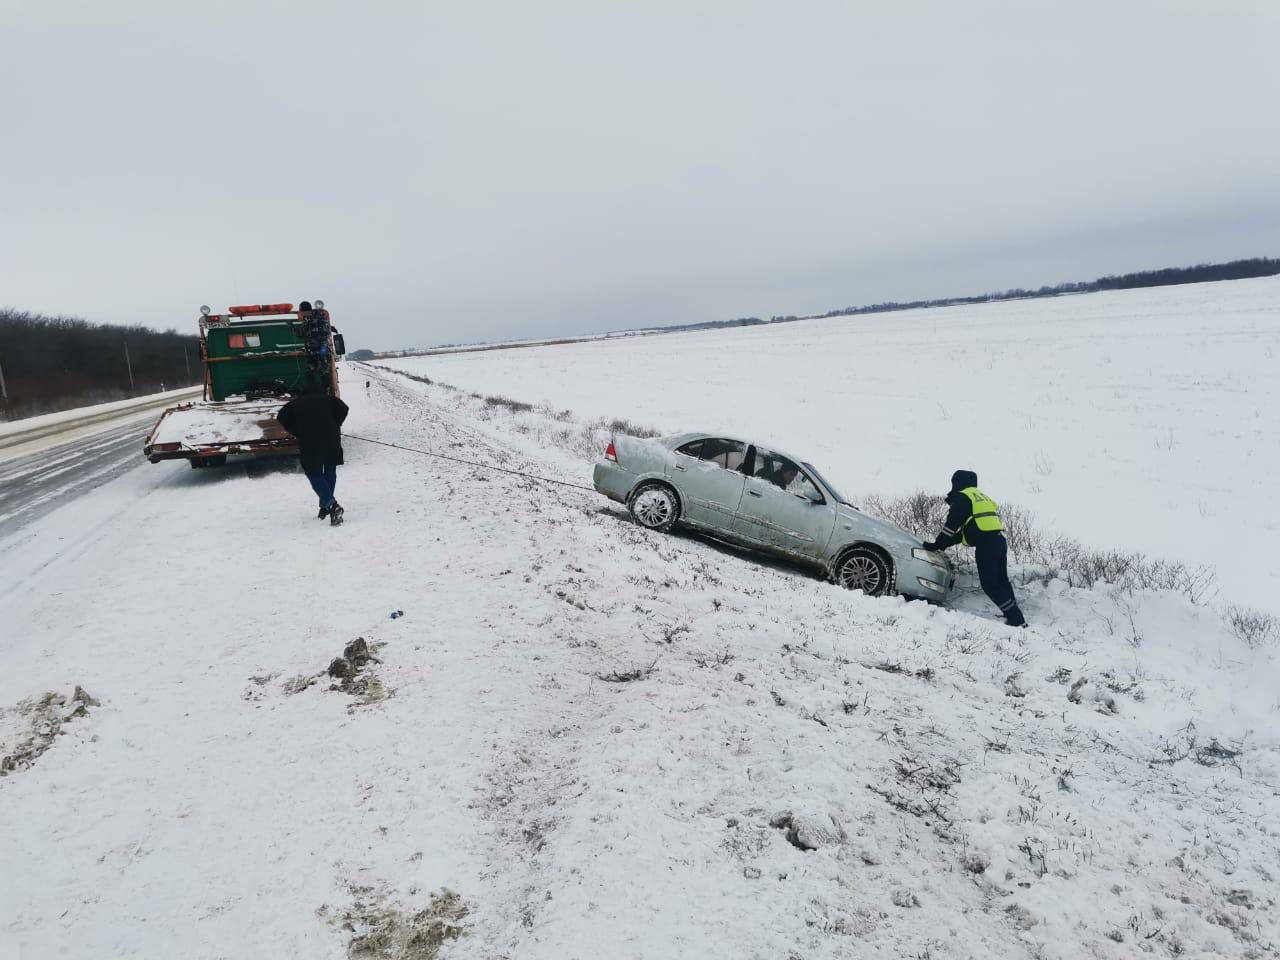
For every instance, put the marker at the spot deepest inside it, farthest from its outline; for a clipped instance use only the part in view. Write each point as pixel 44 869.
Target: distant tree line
pixel 1235 270
pixel 55 363
pixel 717 324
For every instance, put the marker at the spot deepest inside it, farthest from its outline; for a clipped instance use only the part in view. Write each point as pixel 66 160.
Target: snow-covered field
pixel 795 771
pixel 1144 420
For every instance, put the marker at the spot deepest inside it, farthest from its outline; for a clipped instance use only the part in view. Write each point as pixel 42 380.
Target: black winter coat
pixel 315 419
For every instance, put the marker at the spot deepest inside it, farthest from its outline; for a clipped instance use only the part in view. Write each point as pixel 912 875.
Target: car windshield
pixel 839 497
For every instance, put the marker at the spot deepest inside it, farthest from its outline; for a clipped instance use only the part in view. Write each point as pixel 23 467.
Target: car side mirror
pixel 339 345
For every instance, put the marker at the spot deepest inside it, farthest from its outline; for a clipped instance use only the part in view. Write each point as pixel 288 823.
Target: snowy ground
pixel 1141 419
pixel 1101 785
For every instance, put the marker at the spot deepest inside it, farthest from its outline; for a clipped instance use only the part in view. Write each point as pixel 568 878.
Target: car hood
pixel 882 531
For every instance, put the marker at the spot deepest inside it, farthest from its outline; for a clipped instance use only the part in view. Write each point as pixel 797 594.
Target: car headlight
pixel 931 557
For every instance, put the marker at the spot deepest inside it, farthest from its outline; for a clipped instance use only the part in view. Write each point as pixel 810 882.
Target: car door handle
pixel 681 469
pixel 753 493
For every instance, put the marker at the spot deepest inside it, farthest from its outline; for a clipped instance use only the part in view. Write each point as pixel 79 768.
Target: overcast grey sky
pixel 475 170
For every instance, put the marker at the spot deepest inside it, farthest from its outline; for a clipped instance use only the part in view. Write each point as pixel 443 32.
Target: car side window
pixel 693 449
pixel 723 453
pixel 785 474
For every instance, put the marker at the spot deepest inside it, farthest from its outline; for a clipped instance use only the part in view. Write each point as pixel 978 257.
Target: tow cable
pixel 470 463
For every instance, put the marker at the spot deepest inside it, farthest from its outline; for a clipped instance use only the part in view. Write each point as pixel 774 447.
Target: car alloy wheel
pixel 863 570
pixel 654 507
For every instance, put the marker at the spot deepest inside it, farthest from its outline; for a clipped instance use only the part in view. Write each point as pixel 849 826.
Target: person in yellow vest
pixel 974 520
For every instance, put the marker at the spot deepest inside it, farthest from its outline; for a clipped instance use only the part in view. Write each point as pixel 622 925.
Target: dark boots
pixel 1014 618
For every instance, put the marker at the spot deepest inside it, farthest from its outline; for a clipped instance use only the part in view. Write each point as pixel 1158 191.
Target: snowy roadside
pixel 957 788
pixel 1144 677
pixel 1141 420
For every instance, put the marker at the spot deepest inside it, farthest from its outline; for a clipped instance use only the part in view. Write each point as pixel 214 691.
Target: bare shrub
pixel 515 406
pixel 628 676
pixel 403 373
pixel 631 428
pixel 1253 627
pixel 1020 529
pixel 591 438
pixel 920 512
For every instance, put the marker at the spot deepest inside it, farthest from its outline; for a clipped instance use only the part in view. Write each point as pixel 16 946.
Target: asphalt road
pixel 33 485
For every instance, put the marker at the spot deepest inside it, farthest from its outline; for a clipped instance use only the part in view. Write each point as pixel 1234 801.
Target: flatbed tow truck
pixel 256 358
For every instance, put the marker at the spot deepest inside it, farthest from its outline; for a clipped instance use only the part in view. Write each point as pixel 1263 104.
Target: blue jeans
pixel 323 482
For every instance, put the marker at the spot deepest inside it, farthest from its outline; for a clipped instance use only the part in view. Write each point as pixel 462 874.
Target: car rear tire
pixel 655 507
pixel 862 569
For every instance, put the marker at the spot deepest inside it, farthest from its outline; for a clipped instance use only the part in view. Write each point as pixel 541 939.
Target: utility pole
pixel 4 391
pixel 128 365
pixel 186 355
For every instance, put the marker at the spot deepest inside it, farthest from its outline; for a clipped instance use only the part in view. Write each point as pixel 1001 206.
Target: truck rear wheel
pixel 217 460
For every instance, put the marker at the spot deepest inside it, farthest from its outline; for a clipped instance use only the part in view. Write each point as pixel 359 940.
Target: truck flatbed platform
pixel 209 430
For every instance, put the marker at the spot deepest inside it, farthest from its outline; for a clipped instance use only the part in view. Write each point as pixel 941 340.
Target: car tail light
pixel 610 453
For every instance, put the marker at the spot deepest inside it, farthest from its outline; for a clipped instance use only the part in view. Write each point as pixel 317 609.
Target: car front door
pixel 782 508
pixel 708 476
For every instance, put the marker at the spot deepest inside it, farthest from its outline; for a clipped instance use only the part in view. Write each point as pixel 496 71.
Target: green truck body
pixel 255 359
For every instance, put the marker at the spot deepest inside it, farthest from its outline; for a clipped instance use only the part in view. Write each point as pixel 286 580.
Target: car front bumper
pixel 916 578
pixel 611 480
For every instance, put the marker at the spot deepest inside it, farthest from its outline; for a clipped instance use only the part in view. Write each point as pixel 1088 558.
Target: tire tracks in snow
pixel 532 770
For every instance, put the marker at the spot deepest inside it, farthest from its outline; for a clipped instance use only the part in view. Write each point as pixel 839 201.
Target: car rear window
pixel 725 453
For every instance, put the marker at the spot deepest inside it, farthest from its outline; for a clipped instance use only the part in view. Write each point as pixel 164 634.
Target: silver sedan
pixel 760 498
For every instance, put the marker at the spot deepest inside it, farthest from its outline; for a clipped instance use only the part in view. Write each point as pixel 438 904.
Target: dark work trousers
pixel 323 482
pixel 992 555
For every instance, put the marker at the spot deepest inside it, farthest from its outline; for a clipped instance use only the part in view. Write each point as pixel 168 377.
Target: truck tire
pixel 217 460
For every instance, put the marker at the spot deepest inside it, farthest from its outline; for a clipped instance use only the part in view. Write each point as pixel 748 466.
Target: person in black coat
pixel 315 420
pixel 973 519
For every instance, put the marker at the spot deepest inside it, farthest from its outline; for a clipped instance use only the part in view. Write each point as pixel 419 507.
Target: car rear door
pixel 707 474
pixel 782 508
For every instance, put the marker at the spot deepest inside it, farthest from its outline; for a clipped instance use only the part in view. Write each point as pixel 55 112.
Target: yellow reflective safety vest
pixel 985 516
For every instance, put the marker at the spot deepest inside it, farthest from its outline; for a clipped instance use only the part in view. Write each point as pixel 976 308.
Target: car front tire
pixel 862 569
pixel 655 507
